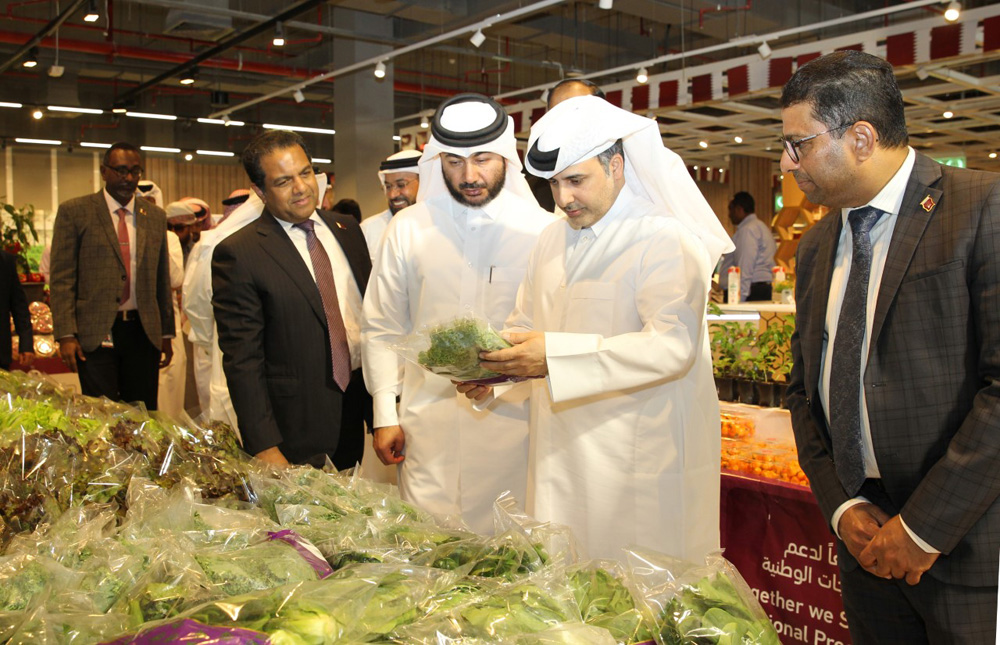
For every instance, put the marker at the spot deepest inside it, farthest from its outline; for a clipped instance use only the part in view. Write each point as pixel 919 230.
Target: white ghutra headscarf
pixel 585 126
pixel 464 125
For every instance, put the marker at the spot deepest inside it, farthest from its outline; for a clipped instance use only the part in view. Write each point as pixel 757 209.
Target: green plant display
pixel 17 224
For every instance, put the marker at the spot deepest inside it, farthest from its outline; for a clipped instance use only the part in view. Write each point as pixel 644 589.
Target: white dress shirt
pixel 889 199
pixel 348 293
pixel 113 207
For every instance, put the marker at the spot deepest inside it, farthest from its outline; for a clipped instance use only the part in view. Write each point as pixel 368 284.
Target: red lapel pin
pixel 928 203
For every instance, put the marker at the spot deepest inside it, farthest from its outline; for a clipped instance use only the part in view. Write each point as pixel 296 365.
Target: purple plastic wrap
pixel 191 632
pixel 308 552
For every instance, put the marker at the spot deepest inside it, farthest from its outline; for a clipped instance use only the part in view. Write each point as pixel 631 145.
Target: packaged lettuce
pixel 452 350
pixel 709 603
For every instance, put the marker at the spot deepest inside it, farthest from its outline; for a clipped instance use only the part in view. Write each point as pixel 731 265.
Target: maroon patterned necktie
pixel 126 250
pixel 340 353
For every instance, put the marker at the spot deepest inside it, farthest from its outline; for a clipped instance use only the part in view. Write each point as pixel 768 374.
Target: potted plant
pixel 776 355
pixel 731 343
pixel 784 292
pixel 16 226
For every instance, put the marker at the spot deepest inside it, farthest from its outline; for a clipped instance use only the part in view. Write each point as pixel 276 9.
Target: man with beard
pixel 400 177
pixel 112 308
pixel 460 251
pixel 625 425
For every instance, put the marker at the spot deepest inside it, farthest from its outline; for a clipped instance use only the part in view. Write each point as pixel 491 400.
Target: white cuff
pixel 837 514
pixel 384 404
pixel 927 548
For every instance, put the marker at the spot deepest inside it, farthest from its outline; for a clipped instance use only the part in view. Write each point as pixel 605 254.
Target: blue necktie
pixel 845 371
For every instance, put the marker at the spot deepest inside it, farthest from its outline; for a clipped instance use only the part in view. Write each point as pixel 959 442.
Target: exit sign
pixel 957 162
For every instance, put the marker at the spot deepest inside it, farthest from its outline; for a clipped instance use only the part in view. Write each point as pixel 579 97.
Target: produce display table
pixel 776 536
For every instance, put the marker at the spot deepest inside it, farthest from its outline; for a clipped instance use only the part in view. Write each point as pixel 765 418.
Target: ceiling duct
pixel 191 23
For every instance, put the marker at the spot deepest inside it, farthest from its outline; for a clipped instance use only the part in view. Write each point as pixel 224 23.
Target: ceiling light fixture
pixel 396 137
pixel 32 58
pixel 223 121
pixel 703 144
pixel 948 114
pixel 642 75
pixel 322 160
pixel 423 122
pixel 605 4
pixel 298 96
pixel 764 50
pixel 738 139
pixel 215 153
pixel 76 110
pixel 297 128
pixel 953 11
pixel 43 142
pixel 190 76
pixel 380 69
pixel 91 144
pixel 188 156
pixel 10 105
pixel 993 155
pixel 37 114
pixel 477 38
pixel 158 149
pixel 150 115
pixel 279 35
pixel 92 14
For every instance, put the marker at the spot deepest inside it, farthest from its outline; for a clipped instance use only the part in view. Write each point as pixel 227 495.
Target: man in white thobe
pixel 625 426
pixel 461 250
pixel 400 178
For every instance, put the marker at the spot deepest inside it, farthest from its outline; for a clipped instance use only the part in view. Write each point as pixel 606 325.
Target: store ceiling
pixel 149 38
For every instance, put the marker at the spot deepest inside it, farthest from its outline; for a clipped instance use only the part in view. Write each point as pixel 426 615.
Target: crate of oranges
pixel 737 426
pixel 769 459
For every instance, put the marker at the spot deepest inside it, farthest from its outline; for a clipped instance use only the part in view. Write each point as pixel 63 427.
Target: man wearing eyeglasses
pixel 895 385
pixel 110 287
pixel 399 176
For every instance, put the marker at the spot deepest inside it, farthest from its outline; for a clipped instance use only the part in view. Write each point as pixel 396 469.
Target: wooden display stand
pixel 796 210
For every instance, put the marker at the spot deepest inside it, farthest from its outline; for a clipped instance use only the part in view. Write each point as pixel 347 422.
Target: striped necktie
pixel 340 353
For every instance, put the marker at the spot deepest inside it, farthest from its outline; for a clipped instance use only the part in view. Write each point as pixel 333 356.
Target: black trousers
pixel 887 612
pixel 128 372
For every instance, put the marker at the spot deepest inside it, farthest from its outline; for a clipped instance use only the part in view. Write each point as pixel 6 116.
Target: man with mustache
pixel 461 250
pixel 399 176
pixel 112 308
pixel 286 293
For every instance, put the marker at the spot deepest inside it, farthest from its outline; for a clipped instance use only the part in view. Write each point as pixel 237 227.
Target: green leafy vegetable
pixel 455 347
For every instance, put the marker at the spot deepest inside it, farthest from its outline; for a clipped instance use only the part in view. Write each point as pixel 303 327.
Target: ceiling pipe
pixel 145 36
pixel 45 31
pixel 228 43
pixel 370 62
pixel 111 50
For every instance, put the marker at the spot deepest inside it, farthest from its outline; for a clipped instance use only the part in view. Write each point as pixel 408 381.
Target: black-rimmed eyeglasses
pixel 124 171
pixel 792 145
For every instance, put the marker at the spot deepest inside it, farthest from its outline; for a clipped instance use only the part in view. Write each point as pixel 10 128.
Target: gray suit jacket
pixel 931 380
pixel 88 271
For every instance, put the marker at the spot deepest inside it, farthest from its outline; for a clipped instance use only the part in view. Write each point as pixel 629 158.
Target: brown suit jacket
pixel 932 379
pixel 88 271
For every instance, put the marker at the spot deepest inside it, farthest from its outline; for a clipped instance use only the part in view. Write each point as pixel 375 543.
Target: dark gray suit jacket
pixel 274 340
pixel 88 272
pixel 931 379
